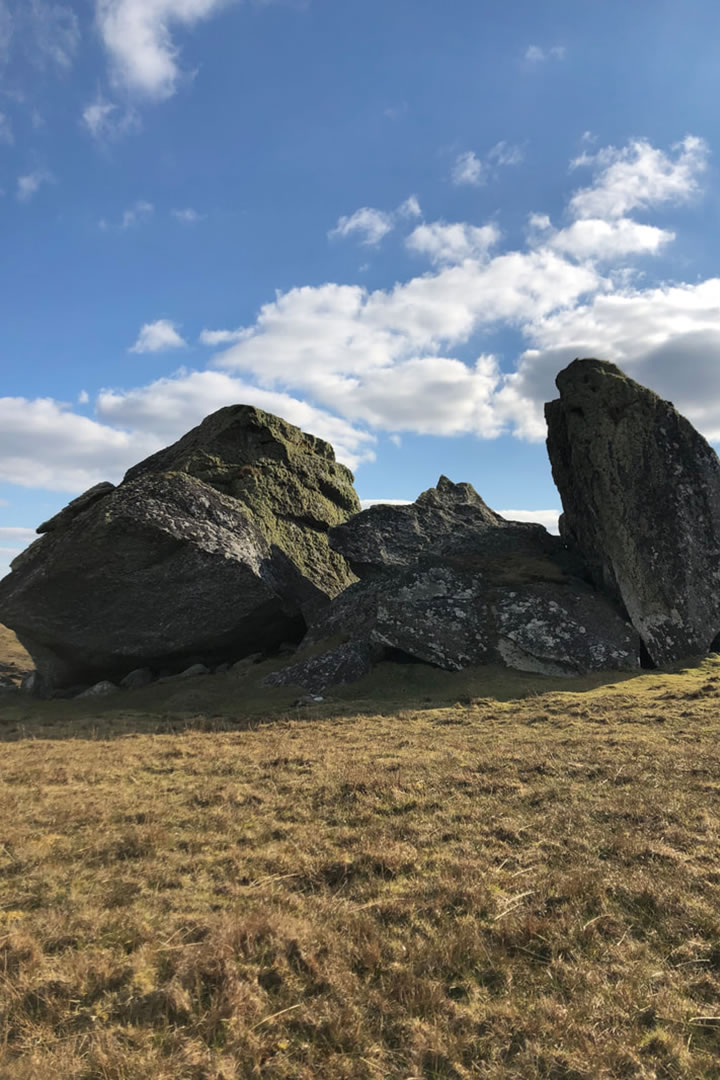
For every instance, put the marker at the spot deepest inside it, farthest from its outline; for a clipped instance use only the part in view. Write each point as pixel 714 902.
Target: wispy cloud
pixel 536 54
pixel 372 225
pixel 30 184
pixel 105 120
pixel 56 32
pixel 369 224
pixel 158 337
pixel 6 132
pixel 474 171
pixel 188 216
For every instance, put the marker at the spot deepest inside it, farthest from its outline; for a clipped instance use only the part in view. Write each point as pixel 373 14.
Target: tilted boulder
pixel 212 549
pixel 448 582
pixel 640 488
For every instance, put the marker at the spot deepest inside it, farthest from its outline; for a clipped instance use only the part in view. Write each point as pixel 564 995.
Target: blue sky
pixel 391 222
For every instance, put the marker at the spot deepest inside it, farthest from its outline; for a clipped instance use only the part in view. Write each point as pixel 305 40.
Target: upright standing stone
pixel 640 488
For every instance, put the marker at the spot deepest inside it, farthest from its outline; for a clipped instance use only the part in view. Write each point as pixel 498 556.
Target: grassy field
pixel 430 876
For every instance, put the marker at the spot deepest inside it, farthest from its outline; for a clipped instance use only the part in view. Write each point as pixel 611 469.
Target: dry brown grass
pixel 504 889
pixel 14 661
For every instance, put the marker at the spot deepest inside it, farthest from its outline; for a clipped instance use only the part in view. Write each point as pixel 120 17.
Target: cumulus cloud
pixel 380 357
pixel 158 336
pixel 348 362
pixel 43 444
pixel 168 407
pixel 453 243
pixel 593 238
pixel 638 176
pixel 213 338
pixel 137 35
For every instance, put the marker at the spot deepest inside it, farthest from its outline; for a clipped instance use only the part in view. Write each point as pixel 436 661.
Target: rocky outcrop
pixel 214 548
pixel 448 582
pixel 640 489
pixel 290 482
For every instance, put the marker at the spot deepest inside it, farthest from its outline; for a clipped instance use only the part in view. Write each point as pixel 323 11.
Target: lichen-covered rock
pixel 640 489
pixel 461 586
pixel 76 507
pixel 449 522
pixel 343 664
pixel 212 549
pixel 289 480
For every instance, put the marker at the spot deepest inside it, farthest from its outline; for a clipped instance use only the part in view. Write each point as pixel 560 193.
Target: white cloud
pixel 137 214
pixel 380 357
pixel 188 216
pixel 45 445
pixel 668 337
pixel 592 238
pixel 453 243
pixel 30 184
pixel 221 337
pixel 56 32
pixel 538 55
pixel 137 36
pixel 83 397
pixel 347 362
pixel 469 169
pixel 105 120
pixel 410 208
pixel 7 27
pixel 6 132
pixel 371 225
pixel 158 337
pixel 547 518
pixel 96 117
pixel 169 407
pixel 638 176
pixel 17 536
pixel 503 153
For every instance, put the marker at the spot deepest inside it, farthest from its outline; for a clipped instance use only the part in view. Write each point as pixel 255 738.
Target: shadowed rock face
pixel 641 495
pixel 449 522
pixel 209 550
pixel 448 582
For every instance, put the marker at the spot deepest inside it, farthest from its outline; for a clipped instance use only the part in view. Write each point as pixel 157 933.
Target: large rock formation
pixel 641 493
pixel 449 582
pixel 211 549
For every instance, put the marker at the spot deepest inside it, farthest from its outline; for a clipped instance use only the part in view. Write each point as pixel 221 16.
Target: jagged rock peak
pixel 444 522
pixel 640 489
